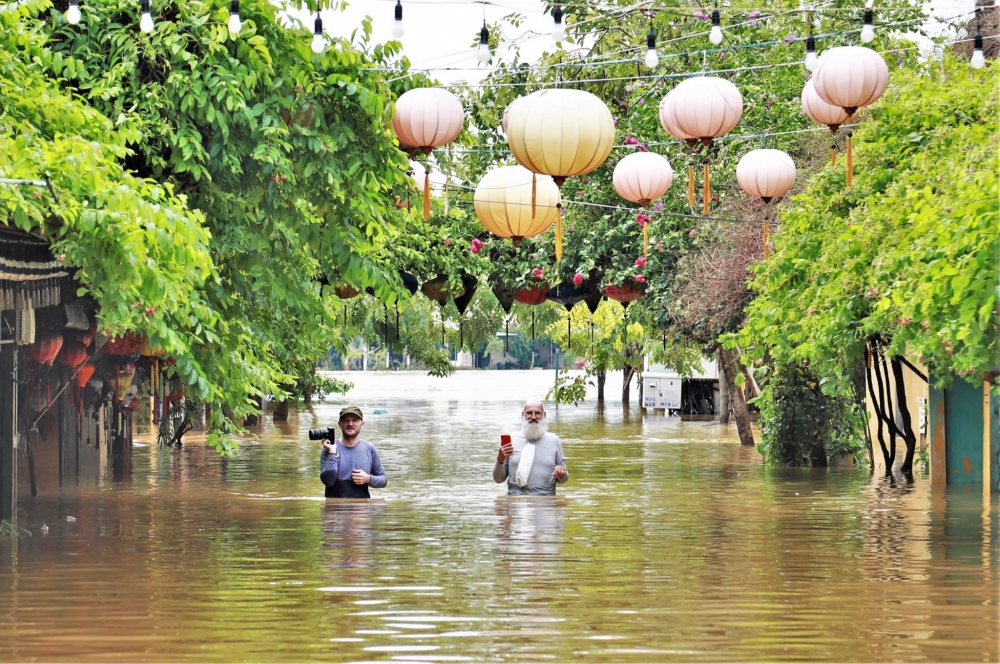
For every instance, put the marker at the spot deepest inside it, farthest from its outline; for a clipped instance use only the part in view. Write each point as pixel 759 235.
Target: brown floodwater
pixel 669 543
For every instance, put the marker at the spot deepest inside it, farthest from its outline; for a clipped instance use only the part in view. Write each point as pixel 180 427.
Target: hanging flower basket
pixel 437 290
pixel 567 295
pixel 505 295
pixel 625 293
pixel 346 291
pixel 147 351
pixel 410 282
pixel 127 344
pixel 532 295
pixel 469 284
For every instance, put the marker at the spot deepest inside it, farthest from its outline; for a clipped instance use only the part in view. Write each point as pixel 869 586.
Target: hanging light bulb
pixel 146 20
pixel 397 26
pixel 234 17
pixel 73 13
pixel 483 54
pixel 811 58
pixel 318 42
pixel 652 59
pixel 558 29
pixel 715 35
pixel 868 32
pixel 978 60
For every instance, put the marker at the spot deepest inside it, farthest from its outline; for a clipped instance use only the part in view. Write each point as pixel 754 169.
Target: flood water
pixel 670 542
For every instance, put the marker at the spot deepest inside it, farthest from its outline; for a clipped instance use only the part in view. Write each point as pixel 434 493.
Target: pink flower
pixel 631 141
pixel 577 279
pixel 640 261
pixel 475 248
pixel 639 279
pixel 537 272
pixel 447 243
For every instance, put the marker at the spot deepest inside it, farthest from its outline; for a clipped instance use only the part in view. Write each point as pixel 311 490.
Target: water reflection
pixel 670 543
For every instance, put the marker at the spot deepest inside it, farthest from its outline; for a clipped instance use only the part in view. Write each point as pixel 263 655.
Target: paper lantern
pixel 532 295
pixel 703 108
pixel 641 177
pixel 505 119
pixel 562 133
pixel 84 374
pixel 72 354
pixel 765 174
pixel 46 347
pixel 427 118
pixel 821 112
pixel 850 77
pixel 503 202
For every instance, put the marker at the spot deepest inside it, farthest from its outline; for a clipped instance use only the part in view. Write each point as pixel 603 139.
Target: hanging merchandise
pixel 72 354
pixel 766 174
pixel 427 118
pixel 702 108
pixel 850 77
pixel 84 374
pixel 823 113
pixel 561 133
pixel 642 177
pixel 46 347
pixel 625 294
pixel 513 202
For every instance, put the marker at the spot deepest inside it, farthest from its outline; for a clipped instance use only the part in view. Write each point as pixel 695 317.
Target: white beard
pixel 534 430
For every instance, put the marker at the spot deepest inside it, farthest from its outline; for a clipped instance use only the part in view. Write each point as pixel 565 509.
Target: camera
pixel 320 434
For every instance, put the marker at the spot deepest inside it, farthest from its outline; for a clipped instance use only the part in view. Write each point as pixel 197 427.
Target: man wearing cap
pixel 349 465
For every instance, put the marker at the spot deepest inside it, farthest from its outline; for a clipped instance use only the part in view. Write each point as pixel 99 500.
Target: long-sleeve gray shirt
pixel 548 455
pixel 335 469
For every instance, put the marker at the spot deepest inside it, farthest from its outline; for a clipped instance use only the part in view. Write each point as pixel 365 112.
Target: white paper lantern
pixel 851 77
pixel 704 107
pixel 503 202
pixel 427 118
pixel 765 174
pixel 642 177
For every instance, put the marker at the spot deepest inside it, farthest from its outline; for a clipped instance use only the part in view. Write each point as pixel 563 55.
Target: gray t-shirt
pixel 548 455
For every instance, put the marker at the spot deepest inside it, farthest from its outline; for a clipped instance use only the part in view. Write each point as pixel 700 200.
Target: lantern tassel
pixel 690 186
pixel 645 239
pixel 850 162
pixel 427 194
pixel 767 234
pixel 534 193
pixel 833 156
pixel 558 231
pixel 706 192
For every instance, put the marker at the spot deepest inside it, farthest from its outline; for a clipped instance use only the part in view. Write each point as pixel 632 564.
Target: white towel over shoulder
pixel 524 465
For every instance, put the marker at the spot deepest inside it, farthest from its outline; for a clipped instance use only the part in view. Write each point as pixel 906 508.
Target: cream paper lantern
pixel 850 77
pixel 702 108
pixel 641 177
pixel 504 121
pixel 562 133
pixel 427 118
pixel 503 202
pixel 766 174
pixel 821 112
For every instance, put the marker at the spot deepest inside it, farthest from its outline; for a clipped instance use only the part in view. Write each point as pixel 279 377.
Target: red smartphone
pixel 504 439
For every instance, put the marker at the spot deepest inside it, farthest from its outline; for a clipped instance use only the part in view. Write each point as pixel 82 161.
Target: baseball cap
pixel 351 410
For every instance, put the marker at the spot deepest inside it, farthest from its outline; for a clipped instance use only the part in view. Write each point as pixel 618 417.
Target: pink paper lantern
pixel 642 177
pixel 427 118
pixel 851 77
pixel 821 112
pixel 765 174
pixel 669 122
pixel 704 107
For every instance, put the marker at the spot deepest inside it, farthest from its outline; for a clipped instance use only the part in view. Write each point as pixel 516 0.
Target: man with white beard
pixel 533 462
